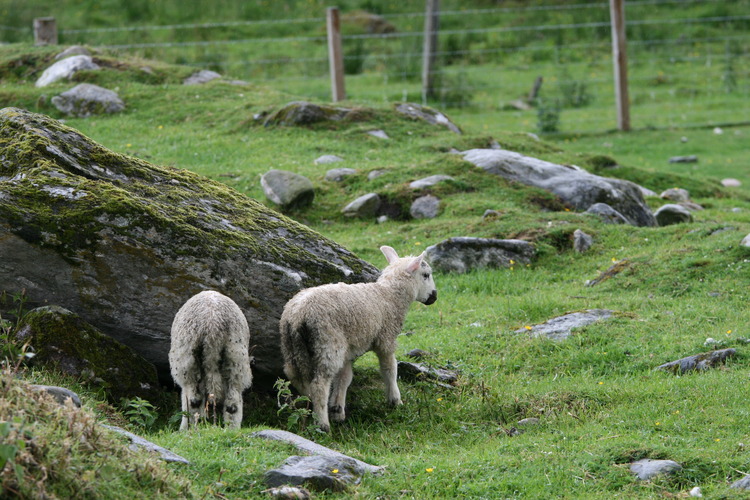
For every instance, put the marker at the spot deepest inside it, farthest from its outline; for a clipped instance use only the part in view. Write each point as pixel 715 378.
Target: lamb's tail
pixel 298 361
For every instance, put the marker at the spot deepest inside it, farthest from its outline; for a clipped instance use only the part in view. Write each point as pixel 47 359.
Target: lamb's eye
pixel 426 275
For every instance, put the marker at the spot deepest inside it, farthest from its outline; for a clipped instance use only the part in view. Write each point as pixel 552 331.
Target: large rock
pixel 124 243
pixel 672 213
pixel 572 184
pixel 64 342
pixel 65 68
pixel 86 99
pixel 463 254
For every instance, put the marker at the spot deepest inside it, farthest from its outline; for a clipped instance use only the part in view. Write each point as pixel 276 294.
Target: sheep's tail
pixel 212 364
pixel 299 360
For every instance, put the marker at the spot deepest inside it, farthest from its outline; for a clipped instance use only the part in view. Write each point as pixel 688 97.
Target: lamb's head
pixel 418 270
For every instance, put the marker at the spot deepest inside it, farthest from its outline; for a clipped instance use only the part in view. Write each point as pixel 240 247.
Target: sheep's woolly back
pixel 210 340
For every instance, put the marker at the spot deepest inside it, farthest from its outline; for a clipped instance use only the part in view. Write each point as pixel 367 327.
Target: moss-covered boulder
pixel 124 243
pixel 62 341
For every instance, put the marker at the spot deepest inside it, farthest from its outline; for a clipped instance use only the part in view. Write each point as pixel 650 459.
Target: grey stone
pixel 463 254
pixel 729 182
pixel 201 77
pixel 61 394
pixel 311 447
pixel 528 422
pixel 490 213
pixel 65 343
pixel 138 442
pixel 365 206
pixel 607 214
pixel 675 194
pixel 380 134
pixel 86 99
pixel 317 472
pixel 646 192
pixel 326 159
pixel 683 159
pixel 672 214
pixel 339 174
pixel 289 493
pixel 647 468
pixel 73 50
pixel 742 484
pixel 561 327
pixel 429 181
pixel 418 354
pixel 126 263
pixel 298 113
pixel 287 189
pixel 427 114
pixel 572 184
pixel 745 241
pixel 374 174
pixel 418 371
pixel 691 205
pixel 65 69
pixel 581 241
pixel 425 207
pixel 698 362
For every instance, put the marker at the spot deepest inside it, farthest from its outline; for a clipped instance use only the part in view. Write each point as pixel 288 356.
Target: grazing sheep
pixel 209 357
pixel 325 328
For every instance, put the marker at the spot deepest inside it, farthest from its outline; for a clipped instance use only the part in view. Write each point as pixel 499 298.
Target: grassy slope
pixel 600 402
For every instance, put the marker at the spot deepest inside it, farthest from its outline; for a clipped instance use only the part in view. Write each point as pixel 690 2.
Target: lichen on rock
pixel 124 243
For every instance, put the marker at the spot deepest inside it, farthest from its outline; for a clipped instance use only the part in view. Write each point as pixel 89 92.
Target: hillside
pixel 599 400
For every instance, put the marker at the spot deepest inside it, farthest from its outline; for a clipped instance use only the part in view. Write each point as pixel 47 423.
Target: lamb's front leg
pixel 388 370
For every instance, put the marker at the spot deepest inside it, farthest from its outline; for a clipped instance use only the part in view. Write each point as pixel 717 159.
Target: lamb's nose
pixel 432 298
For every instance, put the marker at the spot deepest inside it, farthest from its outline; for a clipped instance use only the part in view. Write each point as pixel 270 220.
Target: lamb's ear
pixel 415 263
pixel 390 254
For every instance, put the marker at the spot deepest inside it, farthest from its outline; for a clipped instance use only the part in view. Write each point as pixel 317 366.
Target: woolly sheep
pixel 209 357
pixel 325 328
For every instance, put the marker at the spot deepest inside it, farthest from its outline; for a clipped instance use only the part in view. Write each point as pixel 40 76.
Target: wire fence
pixel 688 60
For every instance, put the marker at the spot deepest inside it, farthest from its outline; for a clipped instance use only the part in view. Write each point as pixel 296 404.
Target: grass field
pixel 600 402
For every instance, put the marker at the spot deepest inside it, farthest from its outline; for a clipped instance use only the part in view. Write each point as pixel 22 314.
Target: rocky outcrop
pixel 462 254
pixel 124 243
pixel 65 69
pixel 575 186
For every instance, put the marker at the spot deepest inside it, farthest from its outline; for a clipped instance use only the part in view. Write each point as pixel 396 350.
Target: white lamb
pixel 325 328
pixel 209 357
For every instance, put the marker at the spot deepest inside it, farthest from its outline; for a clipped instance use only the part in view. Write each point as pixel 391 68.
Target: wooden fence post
pixel 431 21
pixel 45 31
pixel 335 56
pixel 620 63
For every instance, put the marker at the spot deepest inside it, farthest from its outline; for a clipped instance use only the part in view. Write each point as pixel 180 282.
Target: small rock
pixel 490 213
pixel 73 50
pixel 61 394
pixel 317 472
pixel 676 195
pixel 718 131
pixel 745 241
pixel 427 114
pixel 289 493
pixel 325 159
pixel 200 77
pixel 561 327
pixel 730 182
pixel 287 189
pixel 646 192
pixel 425 207
pixel 698 362
pixel 66 68
pixel 418 354
pixel 528 422
pixel 512 432
pixel 365 206
pixel 607 214
pixel 696 492
pixel 646 468
pixel 684 159
pixel 683 139
pixel 339 174
pixel 672 214
pixel 691 205
pixel 379 134
pixel 429 181
pixel 417 371
pixel 742 484
pixel 581 241
pixel 381 219
pixel 374 174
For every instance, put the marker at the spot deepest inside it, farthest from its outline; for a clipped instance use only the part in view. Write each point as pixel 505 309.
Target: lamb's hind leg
pixel 192 405
pixel 337 402
pixel 388 370
pixel 320 388
pixel 233 407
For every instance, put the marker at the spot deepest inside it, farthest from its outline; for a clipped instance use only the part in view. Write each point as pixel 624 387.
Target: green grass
pixel 600 401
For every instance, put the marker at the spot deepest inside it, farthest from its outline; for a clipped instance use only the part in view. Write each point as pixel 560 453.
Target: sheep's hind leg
pixel 388 370
pixel 192 405
pixel 233 408
pixel 337 402
pixel 320 388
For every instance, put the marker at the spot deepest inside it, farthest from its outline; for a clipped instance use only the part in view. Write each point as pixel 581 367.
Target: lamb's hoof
pixel 324 428
pixel 336 413
pixel 395 402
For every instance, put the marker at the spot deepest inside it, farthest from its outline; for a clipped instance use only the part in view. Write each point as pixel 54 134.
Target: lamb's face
pixel 426 293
